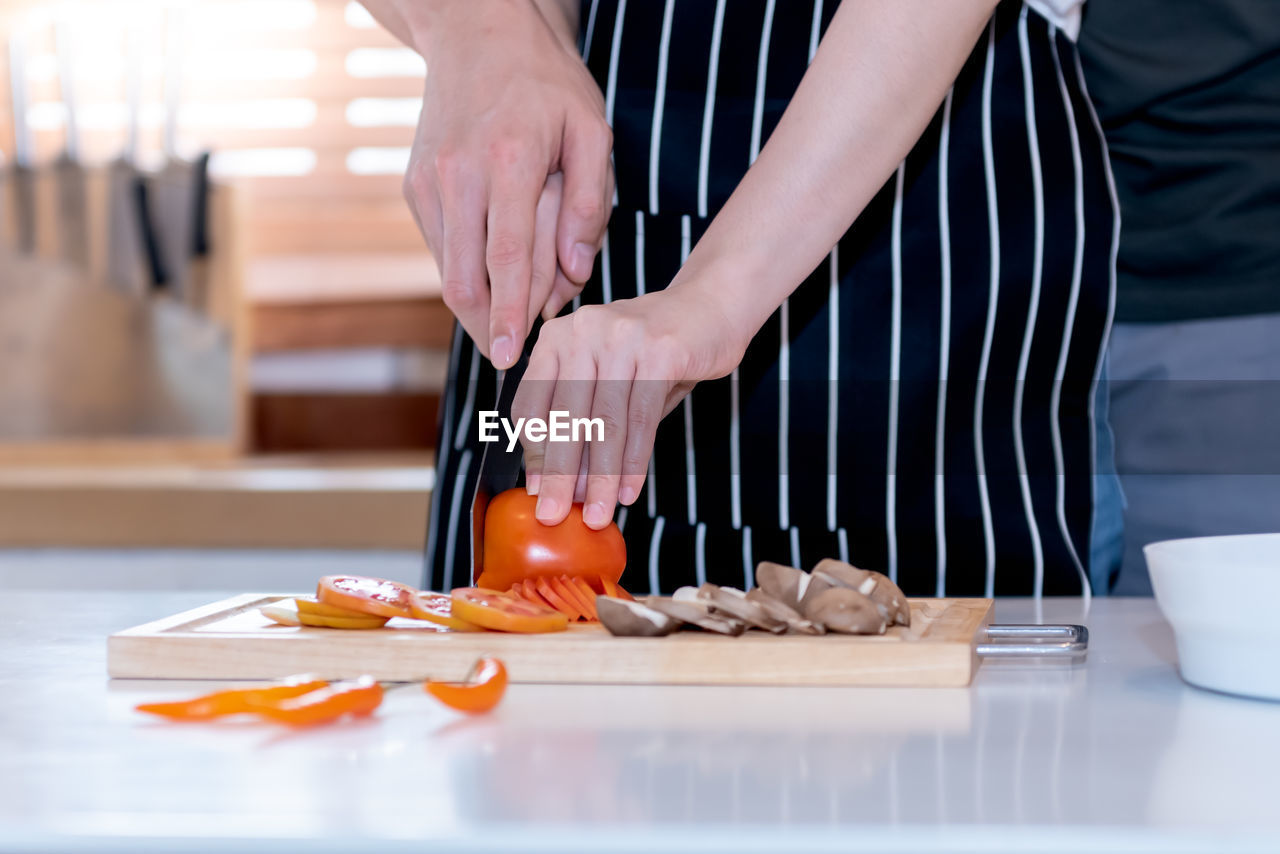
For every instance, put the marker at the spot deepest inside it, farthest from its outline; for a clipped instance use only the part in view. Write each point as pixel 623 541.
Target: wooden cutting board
pixel 232 640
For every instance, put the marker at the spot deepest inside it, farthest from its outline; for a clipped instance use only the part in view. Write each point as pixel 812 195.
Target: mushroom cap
pixel 624 618
pixel 695 612
pixel 842 609
pixel 783 583
pixel 888 597
pixel 795 623
pixel 734 603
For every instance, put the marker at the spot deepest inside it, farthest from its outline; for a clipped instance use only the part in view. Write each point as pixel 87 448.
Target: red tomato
pixel 517 546
pixel 505 612
pixel 367 595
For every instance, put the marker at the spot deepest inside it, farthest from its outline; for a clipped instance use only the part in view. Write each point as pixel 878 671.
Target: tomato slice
pixel 374 596
pixel 579 600
pixel 611 588
pixel 569 595
pixel 504 612
pixel 438 608
pixel 307 605
pixel 287 613
pixel 585 594
pixel 529 590
pixel 548 591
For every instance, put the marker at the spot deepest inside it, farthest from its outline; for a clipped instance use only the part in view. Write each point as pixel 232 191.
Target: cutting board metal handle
pixel 1028 641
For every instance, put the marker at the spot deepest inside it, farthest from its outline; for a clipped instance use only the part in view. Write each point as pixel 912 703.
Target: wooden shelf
pixel 365 502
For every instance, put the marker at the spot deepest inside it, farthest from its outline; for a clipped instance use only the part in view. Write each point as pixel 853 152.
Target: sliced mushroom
pixel 628 619
pixel 888 597
pixel 795 623
pixel 817 585
pixel 842 609
pixel 734 603
pixel 696 613
pixel 784 583
pixel 685 594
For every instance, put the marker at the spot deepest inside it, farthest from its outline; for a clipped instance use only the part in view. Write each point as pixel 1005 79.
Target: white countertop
pixel 1115 754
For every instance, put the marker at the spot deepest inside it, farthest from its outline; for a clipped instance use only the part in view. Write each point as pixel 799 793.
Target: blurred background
pixel 218 324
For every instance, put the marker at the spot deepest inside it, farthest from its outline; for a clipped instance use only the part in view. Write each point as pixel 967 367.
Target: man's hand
pixel 509 177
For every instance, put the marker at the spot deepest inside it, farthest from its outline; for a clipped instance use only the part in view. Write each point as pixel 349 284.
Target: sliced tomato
pixel 517 546
pixel 548 591
pixel 374 596
pixel 570 594
pixel 438 608
pixel 307 605
pixel 286 613
pixel 611 588
pixel 580 601
pixel 585 594
pixel 529 590
pixel 504 612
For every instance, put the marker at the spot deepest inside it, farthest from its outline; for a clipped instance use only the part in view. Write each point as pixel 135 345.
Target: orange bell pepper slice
pixel 232 702
pixel 359 697
pixel 480 693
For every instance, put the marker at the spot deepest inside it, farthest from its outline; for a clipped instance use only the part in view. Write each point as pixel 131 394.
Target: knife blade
pixel 500 469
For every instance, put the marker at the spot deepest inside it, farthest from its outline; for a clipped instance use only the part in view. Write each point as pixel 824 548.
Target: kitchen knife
pixel 21 173
pixel 178 190
pixel 133 263
pixel 69 173
pixel 500 469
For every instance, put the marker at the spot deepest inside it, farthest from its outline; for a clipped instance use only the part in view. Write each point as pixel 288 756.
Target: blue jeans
pixel 1106 546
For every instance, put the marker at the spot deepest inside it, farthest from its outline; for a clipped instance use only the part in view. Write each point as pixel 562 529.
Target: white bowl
pixel 1221 594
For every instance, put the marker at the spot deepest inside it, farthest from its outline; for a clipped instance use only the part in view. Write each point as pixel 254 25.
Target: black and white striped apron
pixel 922 404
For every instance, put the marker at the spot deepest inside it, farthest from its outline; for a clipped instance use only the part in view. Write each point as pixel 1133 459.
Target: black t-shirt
pixel 1189 96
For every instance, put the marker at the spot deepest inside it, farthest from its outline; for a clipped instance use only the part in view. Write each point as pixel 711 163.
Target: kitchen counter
pixel 1114 754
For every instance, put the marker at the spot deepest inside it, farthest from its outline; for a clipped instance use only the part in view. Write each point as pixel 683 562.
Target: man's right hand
pixel 510 176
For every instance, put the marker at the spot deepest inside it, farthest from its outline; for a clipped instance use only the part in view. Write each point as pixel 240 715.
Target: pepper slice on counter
pixel 359 697
pixel 233 702
pixel 483 690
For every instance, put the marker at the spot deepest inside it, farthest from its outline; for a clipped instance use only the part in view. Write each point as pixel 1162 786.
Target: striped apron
pixel 923 403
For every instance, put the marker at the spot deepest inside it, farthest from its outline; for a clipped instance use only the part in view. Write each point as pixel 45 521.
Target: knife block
pixel 97 374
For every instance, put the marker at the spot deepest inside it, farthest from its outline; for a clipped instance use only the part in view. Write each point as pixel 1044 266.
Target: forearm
pixel 414 22
pixel 882 69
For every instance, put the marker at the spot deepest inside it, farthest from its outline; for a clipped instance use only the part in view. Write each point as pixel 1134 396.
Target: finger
pixel 513 197
pixel 644 411
pixel 588 195
pixel 533 400
pixel 610 405
pixel 463 277
pixel 546 268
pixel 563 292
pixel 575 386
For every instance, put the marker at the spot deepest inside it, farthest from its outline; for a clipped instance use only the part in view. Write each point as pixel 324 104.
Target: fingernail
pixel 547 510
pixel 503 352
pixel 595 515
pixel 531 483
pixel 584 258
pixel 626 495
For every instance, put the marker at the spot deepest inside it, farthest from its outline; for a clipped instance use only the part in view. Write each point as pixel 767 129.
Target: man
pixel 1189 96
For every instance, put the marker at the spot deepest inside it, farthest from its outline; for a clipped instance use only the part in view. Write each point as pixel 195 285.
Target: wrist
pixel 724 287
